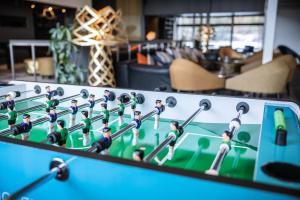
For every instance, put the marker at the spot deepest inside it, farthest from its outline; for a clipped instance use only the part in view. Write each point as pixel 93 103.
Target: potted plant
pixel 62 48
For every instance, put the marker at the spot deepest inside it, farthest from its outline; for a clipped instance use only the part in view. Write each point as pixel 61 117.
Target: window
pixel 185 32
pixel 230 29
pixel 221 37
pixel 220 20
pixel 251 35
pixel 185 20
pixel 249 19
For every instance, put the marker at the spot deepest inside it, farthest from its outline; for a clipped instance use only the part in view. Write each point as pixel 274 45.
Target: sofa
pixel 130 74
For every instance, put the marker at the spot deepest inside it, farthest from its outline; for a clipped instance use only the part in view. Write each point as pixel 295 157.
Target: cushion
pixel 170 52
pixel 141 59
pixel 176 52
pixel 150 60
pixel 162 58
pixel 158 60
pixel 198 53
pixel 183 53
pixel 166 58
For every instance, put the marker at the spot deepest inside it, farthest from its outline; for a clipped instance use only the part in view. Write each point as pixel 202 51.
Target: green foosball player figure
pixel 175 132
pixel 12 116
pixel 59 137
pixel 50 103
pixel 86 121
pixel 105 114
pixel 121 109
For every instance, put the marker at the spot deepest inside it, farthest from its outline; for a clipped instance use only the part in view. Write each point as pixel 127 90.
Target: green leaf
pixel 62 47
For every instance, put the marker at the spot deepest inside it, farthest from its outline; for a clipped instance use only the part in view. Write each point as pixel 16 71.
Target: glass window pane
pixel 249 19
pixel 187 15
pixel 220 14
pixel 220 20
pixel 221 36
pixel 185 20
pixel 204 20
pixel 185 33
pixel 188 44
pixel 197 20
pixel 247 35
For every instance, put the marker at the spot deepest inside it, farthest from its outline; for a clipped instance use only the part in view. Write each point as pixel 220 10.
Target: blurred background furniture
pixel 29 66
pixel 149 77
pixel 188 76
pixel 229 52
pixel 255 60
pixel 270 78
pixel 46 66
pixel 130 74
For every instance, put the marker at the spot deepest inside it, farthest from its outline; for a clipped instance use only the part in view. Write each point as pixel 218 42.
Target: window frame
pixel 205 15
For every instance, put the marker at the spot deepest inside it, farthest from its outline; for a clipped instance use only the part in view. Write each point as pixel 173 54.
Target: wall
pixel 16 10
pixel 288 25
pixel 133 18
pixel 26 31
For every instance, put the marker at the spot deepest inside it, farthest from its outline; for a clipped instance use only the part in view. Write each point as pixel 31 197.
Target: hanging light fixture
pixel 207 31
pixel 48 13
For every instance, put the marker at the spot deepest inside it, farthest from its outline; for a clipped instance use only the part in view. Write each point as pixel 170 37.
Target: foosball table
pixel 79 142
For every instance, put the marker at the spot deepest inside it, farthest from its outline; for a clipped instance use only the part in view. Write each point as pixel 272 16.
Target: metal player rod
pixel 125 129
pixel 170 102
pixel 45 119
pixel 234 125
pixel 204 105
pixel 30 98
pixel 93 119
pixel 3 96
pixel 37 90
pixel 43 105
pixel 130 126
pixel 58 169
pixel 4 117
